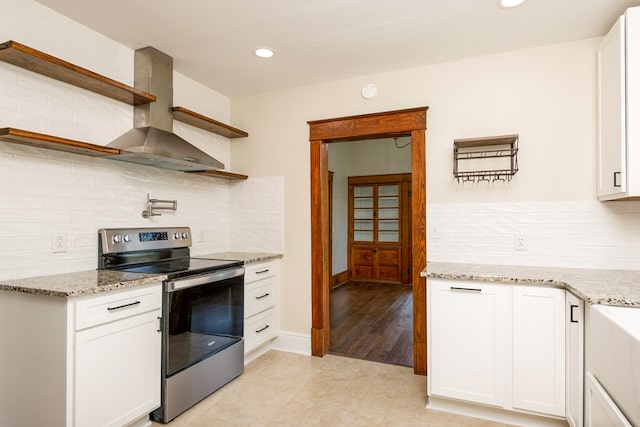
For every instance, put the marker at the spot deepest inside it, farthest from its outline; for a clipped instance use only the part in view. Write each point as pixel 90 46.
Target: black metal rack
pixel 493 147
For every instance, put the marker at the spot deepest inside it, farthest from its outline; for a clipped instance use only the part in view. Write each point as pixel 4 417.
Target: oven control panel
pixel 117 240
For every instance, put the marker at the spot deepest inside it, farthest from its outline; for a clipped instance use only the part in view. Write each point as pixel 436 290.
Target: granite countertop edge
pixel 79 284
pixel 69 285
pixel 247 257
pixel 606 287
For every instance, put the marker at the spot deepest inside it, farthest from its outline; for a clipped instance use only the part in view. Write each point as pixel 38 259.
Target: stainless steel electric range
pixel 202 310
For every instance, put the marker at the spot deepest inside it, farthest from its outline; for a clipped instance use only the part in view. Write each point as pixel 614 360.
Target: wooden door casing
pixel 410 122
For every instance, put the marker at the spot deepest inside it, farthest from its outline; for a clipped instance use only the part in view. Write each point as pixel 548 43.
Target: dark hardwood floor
pixel 373 321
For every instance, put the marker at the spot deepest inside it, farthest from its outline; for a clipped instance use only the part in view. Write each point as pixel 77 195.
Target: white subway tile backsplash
pixel 8 102
pixel 45 191
pixel 587 234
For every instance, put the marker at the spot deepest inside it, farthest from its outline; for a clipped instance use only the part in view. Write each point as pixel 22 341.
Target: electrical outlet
pixel 58 242
pixel 434 231
pixel 519 242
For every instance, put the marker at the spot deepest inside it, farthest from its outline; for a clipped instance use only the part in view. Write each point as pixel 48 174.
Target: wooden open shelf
pixel 222 174
pixel 203 122
pixel 492 147
pixel 45 64
pixel 34 139
pixel 19 136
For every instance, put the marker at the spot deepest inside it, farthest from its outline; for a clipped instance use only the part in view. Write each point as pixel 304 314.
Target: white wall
pixel 44 191
pixel 545 94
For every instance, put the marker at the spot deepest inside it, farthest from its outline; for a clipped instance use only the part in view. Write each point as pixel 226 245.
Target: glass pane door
pixel 388 213
pixel 363 213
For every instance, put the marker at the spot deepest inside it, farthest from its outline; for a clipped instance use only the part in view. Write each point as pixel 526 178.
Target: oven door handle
pixel 176 285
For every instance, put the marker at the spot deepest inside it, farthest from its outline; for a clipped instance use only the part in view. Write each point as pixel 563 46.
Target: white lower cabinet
pixel 468 331
pixel 497 345
pixel 90 361
pixel 539 350
pixel 118 362
pixel 260 304
pixel 575 360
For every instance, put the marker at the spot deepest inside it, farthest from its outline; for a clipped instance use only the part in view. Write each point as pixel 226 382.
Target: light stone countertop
pixel 247 257
pixel 96 281
pixel 608 287
pixel 80 283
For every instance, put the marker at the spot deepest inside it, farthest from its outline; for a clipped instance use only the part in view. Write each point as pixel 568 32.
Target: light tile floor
pixel 285 389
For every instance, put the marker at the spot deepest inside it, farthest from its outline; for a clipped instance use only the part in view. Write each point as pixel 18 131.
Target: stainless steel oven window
pixel 203 316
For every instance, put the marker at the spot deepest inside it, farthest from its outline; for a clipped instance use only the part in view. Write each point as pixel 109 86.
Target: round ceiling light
pixel 263 52
pixel 507 4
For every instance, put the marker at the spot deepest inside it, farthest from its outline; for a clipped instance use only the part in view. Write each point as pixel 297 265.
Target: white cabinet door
pixel 538 350
pixel 117 371
pixel 468 327
pixel 575 359
pixel 600 409
pixel 612 173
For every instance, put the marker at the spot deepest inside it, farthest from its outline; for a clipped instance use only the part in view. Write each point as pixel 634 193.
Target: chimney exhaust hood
pixel 152 142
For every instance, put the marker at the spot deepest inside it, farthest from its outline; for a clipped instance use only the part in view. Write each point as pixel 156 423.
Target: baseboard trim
pixel 492 414
pixel 339 279
pixel 293 342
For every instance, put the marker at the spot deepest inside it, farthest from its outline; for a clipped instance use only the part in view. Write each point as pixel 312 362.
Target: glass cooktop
pixel 183 266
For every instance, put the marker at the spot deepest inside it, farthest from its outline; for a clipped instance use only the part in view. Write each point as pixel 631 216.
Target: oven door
pixel 203 315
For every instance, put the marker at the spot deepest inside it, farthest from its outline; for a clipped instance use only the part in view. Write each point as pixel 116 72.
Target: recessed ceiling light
pixel 263 52
pixel 506 4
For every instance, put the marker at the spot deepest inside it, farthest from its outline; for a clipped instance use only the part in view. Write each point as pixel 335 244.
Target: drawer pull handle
pixel 123 306
pixel 263 296
pixel 262 271
pixel 262 329
pixel 571 311
pixel 455 288
pixel 616 175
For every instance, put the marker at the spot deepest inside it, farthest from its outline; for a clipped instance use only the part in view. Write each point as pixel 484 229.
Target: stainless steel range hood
pixel 152 141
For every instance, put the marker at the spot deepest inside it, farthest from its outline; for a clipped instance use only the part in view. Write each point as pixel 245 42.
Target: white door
pixel 612 173
pixel 117 377
pixel 575 359
pixel 468 327
pixel 538 349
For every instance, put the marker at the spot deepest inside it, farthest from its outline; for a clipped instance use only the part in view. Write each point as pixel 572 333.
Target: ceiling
pixel 212 41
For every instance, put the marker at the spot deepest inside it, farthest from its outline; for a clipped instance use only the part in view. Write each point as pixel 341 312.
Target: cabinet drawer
pixel 362 256
pixel 111 306
pixel 259 271
pixel 260 329
pixel 390 273
pixel 362 272
pixel 259 296
pixel 388 257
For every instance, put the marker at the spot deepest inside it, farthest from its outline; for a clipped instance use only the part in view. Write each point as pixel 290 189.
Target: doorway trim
pixel 410 122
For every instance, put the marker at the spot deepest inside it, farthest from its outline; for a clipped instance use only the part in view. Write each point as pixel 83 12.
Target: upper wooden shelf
pixel 222 174
pixel 40 62
pixel 206 123
pixel 485 141
pixel 34 139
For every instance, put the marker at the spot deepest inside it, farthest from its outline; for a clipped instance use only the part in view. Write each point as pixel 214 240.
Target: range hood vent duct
pixel 152 142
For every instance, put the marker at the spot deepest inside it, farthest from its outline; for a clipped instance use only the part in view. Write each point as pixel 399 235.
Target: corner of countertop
pixel 595 286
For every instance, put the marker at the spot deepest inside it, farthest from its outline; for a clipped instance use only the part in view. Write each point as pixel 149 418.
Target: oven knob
pixel 176 236
pixel 127 238
pixel 185 235
pixel 117 238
